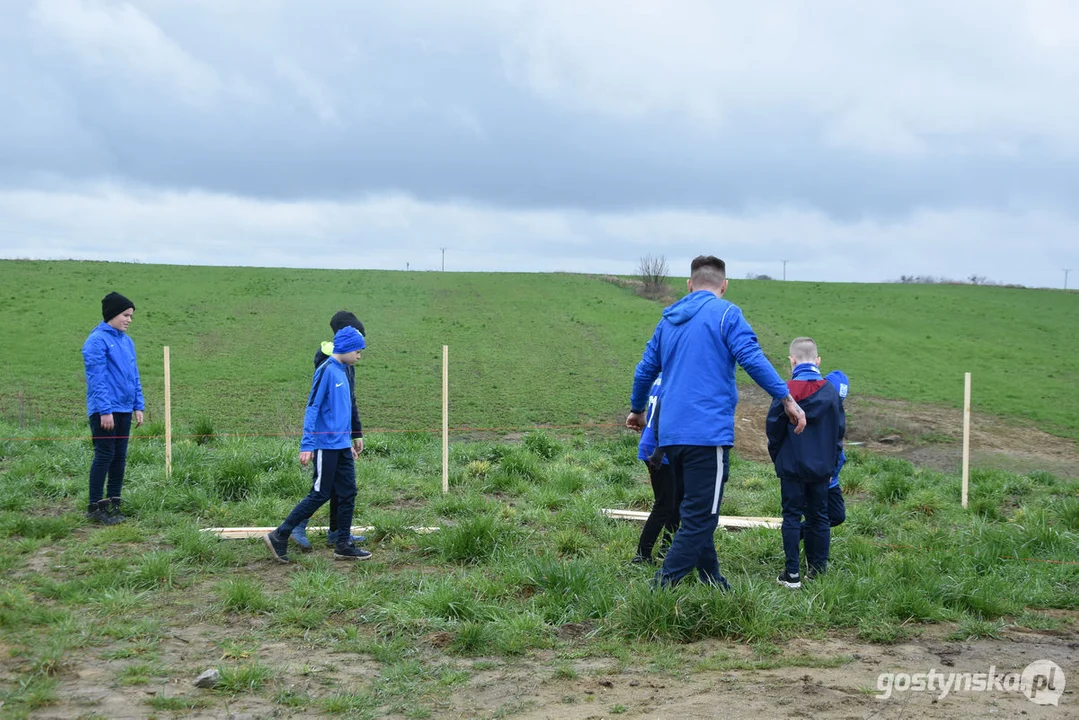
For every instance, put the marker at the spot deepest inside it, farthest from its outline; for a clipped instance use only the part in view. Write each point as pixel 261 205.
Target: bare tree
pixel 653 272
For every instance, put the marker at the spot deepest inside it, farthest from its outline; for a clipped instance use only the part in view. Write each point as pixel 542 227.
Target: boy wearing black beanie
pixel 113 396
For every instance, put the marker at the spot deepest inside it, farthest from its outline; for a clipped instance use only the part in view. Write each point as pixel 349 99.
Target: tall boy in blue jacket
pixel 806 463
pixel 327 439
pixel 696 345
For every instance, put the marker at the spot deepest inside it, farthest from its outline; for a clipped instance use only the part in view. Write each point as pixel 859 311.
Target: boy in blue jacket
pixel 327 439
pixel 806 463
pixel 664 517
pixel 113 397
pixel 340 319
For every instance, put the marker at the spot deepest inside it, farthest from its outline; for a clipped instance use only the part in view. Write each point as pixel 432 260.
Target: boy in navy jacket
pixel 327 439
pixel 806 463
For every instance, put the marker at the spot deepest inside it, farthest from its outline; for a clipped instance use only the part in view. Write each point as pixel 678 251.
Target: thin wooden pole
pixel 168 415
pixel 445 418
pixel 966 435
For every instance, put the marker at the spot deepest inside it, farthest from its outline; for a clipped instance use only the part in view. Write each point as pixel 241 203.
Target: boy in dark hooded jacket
pixel 806 463
pixel 341 319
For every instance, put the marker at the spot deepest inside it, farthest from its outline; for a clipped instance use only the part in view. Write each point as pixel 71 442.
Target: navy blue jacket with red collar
pixel 813 455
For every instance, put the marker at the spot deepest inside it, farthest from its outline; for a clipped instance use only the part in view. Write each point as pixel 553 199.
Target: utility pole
pixel 443 259
pixel 1066 271
pixel 785 269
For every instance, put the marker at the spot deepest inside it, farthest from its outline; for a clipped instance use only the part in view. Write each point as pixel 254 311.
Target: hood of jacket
pixel 686 308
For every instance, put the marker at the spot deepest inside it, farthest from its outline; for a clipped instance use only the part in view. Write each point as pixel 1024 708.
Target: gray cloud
pixel 862 116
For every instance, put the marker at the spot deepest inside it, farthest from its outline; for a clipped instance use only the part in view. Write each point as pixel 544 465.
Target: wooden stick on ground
pixel 238 533
pixel 724 520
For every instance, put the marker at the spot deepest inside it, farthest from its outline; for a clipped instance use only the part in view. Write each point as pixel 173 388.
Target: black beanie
pixel 342 319
pixel 113 304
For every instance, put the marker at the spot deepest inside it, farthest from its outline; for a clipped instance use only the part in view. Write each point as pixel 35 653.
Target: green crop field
pixel 525 349
pixel 524 578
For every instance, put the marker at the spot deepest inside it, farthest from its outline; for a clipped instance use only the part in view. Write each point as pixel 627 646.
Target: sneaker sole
pixel 283 559
pixel 791 585
pixel 350 557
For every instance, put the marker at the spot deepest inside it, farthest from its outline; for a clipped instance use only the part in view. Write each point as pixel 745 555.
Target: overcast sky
pixel 858 140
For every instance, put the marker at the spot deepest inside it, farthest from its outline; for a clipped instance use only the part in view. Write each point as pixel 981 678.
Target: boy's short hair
pixel 707 270
pixel 804 349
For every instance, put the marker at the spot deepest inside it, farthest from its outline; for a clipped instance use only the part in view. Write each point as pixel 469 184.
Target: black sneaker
pixel 642 560
pixel 278 546
pixel 351 553
pixel 98 513
pixel 787 580
pixel 115 515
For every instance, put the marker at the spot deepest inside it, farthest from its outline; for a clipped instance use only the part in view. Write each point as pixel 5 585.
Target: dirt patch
pixel 929 436
pixel 594 689
pixel 711 680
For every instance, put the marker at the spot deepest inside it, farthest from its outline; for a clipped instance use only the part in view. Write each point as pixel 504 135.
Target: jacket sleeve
pixel 97 391
pixel 357 426
pixel 646 372
pixel 842 422
pixel 314 406
pixel 140 401
pixel 775 428
pixel 743 344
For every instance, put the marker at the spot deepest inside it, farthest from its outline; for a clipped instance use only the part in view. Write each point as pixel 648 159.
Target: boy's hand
pixel 635 421
pixel 107 423
pixel 305 456
pixel 357 448
pixel 138 418
pixel 795 413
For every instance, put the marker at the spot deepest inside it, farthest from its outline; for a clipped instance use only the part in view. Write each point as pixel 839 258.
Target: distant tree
pixel 653 272
pixel 976 279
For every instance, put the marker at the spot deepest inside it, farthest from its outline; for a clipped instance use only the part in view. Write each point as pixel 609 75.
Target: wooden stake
pixel 168 415
pixel 966 435
pixel 445 418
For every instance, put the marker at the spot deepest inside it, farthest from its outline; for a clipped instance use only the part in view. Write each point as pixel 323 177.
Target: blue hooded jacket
pixel 696 346
pixel 112 374
pixel 327 422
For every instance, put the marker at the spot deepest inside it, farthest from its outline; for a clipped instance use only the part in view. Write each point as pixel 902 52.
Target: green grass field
pixel 524 565
pixel 525 349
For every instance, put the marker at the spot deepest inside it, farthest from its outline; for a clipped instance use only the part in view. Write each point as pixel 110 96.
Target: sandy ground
pixel 598 688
